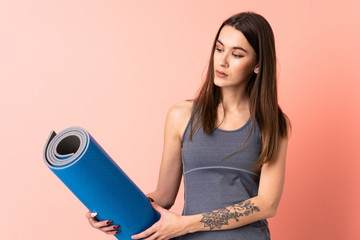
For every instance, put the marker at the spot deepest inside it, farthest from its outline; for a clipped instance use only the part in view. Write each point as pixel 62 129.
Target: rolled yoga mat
pixel 98 182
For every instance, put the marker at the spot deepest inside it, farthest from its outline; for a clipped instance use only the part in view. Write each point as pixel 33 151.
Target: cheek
pixel 242 68
pixel 216 58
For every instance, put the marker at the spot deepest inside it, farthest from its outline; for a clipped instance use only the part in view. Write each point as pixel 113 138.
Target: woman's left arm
pixel 262 206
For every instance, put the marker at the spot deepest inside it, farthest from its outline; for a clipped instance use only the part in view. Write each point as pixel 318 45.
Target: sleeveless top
pixel 211 183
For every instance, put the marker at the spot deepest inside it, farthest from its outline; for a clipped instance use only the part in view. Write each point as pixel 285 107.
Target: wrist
pixel 192 223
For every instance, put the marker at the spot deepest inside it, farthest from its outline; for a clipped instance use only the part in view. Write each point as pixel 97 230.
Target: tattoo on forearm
pixel 220 217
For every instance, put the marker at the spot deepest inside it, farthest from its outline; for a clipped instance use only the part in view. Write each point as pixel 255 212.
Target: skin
pixel 240 66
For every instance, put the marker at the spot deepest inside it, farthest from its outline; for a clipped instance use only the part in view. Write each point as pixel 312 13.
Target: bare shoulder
pixel 179 115
pixel 182 107
pixel 288 126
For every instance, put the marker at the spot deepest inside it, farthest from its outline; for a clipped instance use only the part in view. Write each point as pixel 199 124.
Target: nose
pixel 223 60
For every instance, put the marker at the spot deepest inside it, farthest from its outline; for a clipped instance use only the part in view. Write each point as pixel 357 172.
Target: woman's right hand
pixel 103 226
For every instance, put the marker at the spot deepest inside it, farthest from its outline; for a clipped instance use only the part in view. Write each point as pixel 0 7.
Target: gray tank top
pixel 211 183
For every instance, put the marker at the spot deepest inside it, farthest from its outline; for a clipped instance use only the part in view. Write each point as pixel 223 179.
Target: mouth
pixel 220 73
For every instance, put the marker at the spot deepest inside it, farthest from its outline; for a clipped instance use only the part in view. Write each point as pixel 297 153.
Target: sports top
pixel 211 183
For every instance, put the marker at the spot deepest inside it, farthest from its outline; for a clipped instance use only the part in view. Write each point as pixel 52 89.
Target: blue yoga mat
pixel 98 182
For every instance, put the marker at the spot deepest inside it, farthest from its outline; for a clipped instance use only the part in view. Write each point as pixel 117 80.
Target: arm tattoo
pixel 220 217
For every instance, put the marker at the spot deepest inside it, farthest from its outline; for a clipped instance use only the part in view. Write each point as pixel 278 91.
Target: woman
pixel 230 190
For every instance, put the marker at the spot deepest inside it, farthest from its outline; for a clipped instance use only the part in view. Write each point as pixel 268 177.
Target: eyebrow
pixel 233 47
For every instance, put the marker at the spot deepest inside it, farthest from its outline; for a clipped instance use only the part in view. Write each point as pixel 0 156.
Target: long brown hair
pixel 261 88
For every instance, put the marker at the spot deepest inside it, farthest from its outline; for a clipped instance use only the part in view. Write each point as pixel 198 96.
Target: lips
pixel 220 72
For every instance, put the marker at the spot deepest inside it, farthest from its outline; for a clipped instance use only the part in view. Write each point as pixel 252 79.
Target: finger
pixel 154 236
pixel 113 232
pixel 145 233
pixel 103 225
pixel 90 214
pixel 97 224
pixel 110 228
pixel 92 219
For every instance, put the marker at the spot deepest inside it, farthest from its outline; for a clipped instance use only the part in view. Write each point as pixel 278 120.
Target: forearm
pixel 234 216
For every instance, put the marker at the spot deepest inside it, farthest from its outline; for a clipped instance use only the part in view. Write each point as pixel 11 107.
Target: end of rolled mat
pixel 93 214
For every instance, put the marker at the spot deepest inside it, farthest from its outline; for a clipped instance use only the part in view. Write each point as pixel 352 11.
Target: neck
pixel 234 100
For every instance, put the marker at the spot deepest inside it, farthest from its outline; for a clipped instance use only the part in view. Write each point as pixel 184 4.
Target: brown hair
pixel 261 88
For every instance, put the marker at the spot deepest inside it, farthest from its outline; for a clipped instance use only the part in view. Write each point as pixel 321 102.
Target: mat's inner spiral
pixel 68 145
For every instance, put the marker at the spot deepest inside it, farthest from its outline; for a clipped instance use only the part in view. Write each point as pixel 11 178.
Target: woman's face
pixel 235 57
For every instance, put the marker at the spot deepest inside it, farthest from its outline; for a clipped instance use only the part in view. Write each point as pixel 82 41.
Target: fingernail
pixel 118 232
pixel 93 214
pixel 151 200
pixel 116 226
pixel 108 222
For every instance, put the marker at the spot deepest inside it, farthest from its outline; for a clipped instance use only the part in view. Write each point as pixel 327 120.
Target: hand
pixel 103 225
pixel 170 225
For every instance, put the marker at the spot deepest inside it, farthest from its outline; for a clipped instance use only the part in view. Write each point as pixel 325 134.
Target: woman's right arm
pixel 171 165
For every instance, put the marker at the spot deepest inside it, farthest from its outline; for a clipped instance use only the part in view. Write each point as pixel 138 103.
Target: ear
pixel 256 69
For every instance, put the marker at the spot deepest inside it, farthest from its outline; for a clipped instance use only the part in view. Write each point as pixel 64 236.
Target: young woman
pixel 229 143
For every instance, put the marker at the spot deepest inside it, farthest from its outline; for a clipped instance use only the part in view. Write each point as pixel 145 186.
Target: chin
pixel 218 83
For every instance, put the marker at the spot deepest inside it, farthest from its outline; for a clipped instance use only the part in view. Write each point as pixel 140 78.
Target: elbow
pixel 272 210
pixel 269 206
pixel 168 205
pixel 161 200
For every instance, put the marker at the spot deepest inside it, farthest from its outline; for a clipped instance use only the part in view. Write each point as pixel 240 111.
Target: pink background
pixel 115 68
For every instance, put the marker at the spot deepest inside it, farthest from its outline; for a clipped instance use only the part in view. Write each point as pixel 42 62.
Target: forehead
pixel 231 37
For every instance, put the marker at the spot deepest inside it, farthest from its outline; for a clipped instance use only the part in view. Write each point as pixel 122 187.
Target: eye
pixel 236 56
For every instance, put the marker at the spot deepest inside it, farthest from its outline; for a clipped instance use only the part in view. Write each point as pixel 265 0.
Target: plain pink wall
pixel 115 68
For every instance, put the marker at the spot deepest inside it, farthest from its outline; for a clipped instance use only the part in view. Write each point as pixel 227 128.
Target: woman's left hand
pixel 170 225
